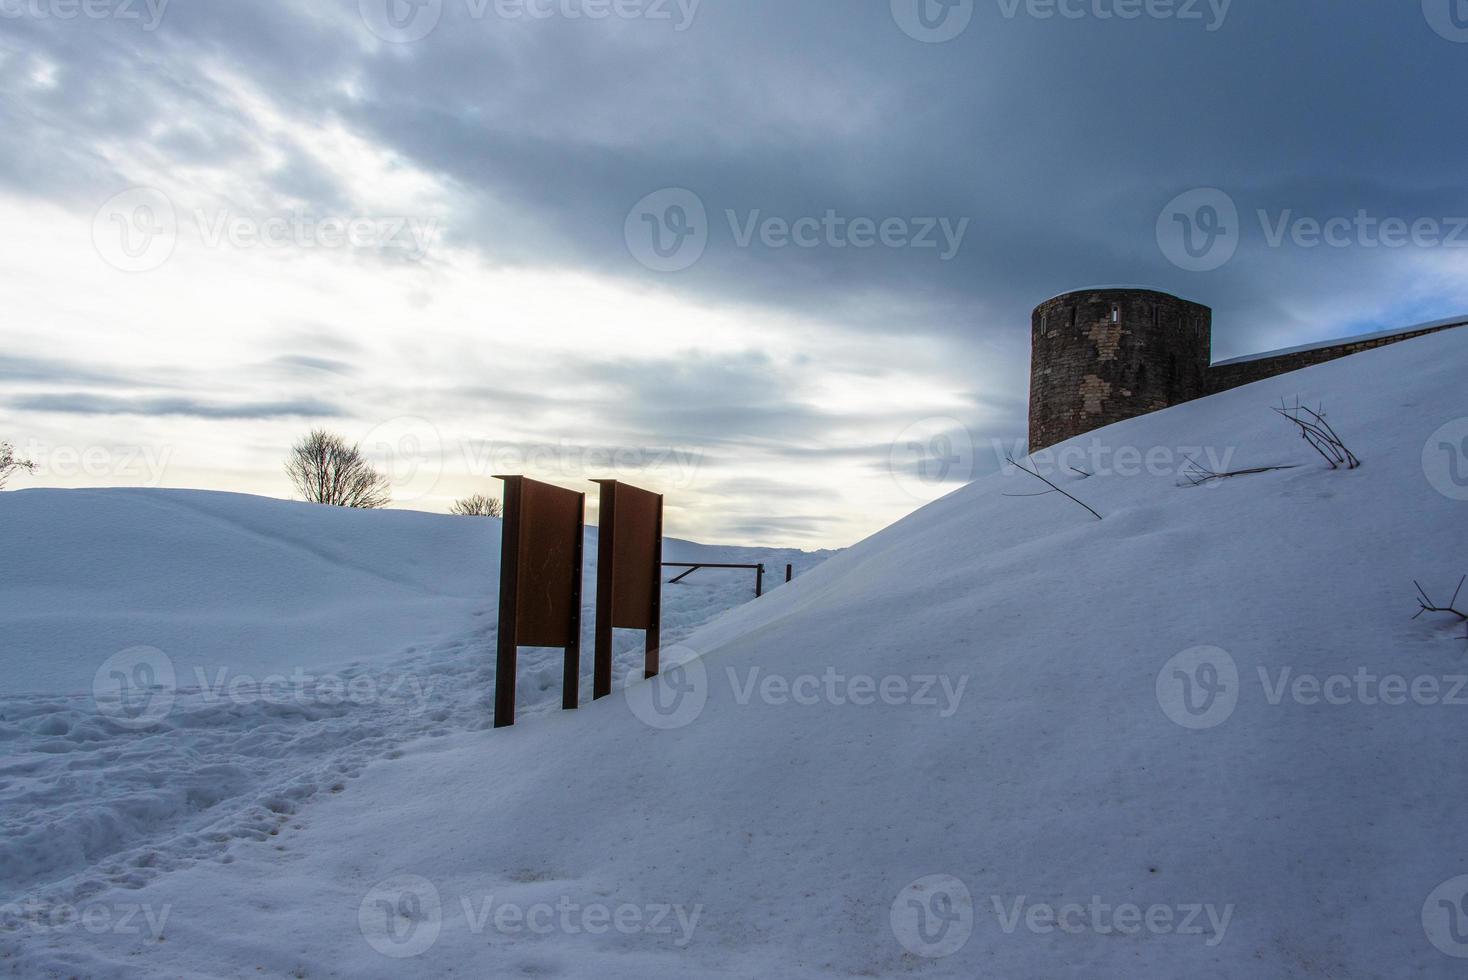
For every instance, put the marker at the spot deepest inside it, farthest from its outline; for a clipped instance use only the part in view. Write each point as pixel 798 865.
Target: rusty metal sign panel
pixel 628 574
pixel 550 533
pixel 540 584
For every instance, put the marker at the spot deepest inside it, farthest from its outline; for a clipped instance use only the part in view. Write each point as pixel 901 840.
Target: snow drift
pixel 298 643
pixel 1000 738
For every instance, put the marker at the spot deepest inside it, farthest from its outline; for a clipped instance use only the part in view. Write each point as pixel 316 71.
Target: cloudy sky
pixel 763 255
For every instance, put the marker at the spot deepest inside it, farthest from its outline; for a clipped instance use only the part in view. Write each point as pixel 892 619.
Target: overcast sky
pixel 757 254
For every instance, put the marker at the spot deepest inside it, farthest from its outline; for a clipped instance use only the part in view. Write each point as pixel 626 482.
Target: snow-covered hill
pixel 294 644
pixel 1200 737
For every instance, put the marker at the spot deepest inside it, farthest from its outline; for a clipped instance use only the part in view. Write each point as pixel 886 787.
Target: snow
pixel 304 643
pixel 972 714
pixel 1457 321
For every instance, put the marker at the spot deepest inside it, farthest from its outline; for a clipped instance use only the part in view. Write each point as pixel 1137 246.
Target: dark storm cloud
pixel 85 404
pixel 1059 140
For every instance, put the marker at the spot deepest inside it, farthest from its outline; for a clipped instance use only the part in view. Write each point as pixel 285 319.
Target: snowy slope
pixel 298 643
pixel 792 801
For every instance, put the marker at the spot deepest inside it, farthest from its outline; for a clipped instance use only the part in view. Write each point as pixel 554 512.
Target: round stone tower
pixel 1108 354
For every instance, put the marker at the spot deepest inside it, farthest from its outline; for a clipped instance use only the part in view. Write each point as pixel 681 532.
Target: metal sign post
pixel 629 573
pixel 540 585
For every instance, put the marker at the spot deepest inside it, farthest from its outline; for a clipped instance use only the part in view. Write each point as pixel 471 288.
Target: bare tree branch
pixel 479 505
pixel 1429 606
pixel 1315 430
pixel 1052 486
pixel 1196 474
pixel 10 464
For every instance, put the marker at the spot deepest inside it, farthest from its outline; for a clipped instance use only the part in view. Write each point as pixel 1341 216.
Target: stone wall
pixel 1222 377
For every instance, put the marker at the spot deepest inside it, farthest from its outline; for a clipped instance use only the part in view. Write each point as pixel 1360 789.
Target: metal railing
pixel 759 572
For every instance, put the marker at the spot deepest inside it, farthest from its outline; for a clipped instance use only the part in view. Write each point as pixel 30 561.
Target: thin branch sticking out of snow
pixel 1315 430
pixel 1053 487
pixel 1428 606
pixel 1195 474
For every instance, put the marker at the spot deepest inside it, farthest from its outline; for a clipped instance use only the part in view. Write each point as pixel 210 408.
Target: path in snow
pixel 90 799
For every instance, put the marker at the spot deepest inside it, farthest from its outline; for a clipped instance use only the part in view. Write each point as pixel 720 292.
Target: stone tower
pixel 1108 354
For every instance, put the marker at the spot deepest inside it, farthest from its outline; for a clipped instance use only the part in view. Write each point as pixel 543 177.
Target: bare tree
pixel 9 463
pixel 326 470
pixel 1315 430
pixel 479 505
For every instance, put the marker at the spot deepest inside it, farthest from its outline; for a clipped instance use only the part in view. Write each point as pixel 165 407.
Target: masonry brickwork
pixel 1102 356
